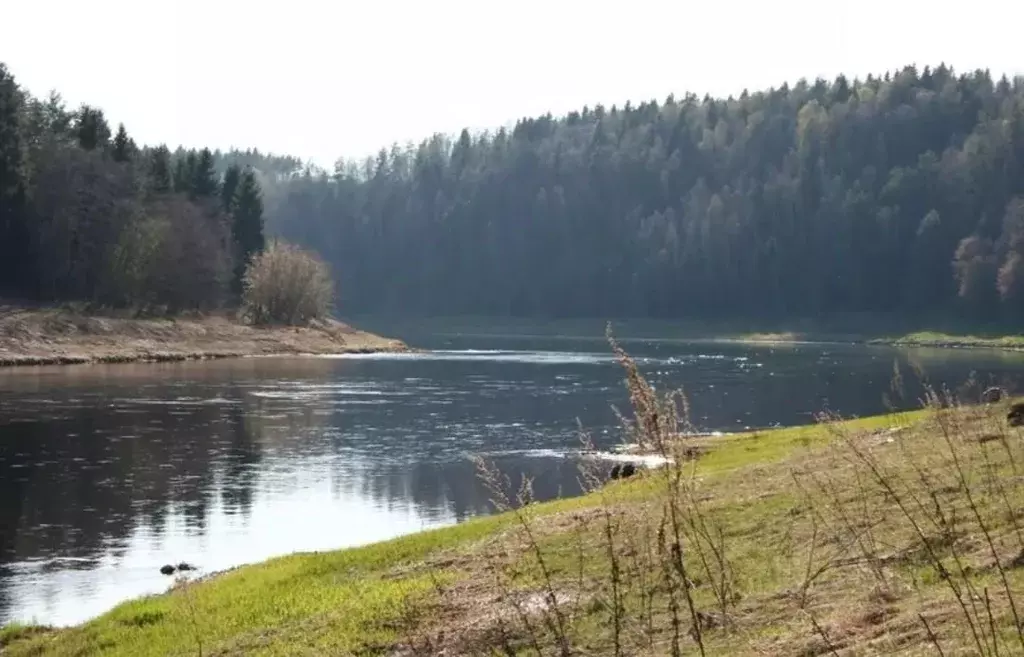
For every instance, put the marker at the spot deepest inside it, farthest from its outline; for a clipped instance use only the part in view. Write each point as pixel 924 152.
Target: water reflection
pixel 108 472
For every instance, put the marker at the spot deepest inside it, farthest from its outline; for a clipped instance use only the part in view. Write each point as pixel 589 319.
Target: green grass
pixel 766 447
pixel 938 339
pixel 322 603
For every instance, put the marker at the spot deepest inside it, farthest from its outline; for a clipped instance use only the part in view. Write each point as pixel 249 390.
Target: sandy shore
pixel 52 336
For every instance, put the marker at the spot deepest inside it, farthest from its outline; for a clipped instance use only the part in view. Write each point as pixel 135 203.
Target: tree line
pixel 900 193
pixel 86 214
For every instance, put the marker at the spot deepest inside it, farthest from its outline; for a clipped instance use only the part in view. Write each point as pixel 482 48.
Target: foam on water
pixel 647 460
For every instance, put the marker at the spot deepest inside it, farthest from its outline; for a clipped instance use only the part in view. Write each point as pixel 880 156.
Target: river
pixel 109 472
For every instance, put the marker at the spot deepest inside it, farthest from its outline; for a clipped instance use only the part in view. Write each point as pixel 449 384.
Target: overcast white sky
pixel 319 79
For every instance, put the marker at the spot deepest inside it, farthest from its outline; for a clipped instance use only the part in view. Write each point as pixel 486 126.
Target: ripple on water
pixel 526 357
pixel 490 355
pixel 178 401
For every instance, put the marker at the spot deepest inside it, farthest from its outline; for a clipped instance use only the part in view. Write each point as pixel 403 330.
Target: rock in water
pixel 992 395
pixel 628 470
pixel 1016 415
pixel 167 570
pixel 185 566
pixel 616 469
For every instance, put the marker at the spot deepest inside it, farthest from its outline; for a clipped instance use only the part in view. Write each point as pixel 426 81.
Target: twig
pixel 821 632
pixel 931 635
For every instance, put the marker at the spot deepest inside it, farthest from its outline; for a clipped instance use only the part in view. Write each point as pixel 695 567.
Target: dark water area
pixel 109 472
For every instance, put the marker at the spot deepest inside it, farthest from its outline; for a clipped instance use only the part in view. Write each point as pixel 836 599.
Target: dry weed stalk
pixel 498 485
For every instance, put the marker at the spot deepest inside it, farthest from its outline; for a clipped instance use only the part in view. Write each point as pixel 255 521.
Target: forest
pixel 899 194
pixel 87 215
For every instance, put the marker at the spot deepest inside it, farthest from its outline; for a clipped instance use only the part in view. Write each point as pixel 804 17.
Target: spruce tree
pixel 230 186
pixel 204 177
pixel 15 265
pixel 247 223
pixel 93 130
pixel 123 146
pixel 160 179
pixel 182 173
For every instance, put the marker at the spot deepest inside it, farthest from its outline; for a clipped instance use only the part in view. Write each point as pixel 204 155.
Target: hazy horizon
pixel 321 82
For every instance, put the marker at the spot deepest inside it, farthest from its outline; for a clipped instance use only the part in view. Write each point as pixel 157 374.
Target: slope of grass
pixel 900 534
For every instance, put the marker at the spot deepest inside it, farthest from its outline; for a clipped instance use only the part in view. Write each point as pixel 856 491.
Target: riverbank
pixel 923 339
pixel 948 341
pixel 858 535
pixel 58 336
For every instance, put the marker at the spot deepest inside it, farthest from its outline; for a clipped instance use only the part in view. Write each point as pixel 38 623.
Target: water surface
pixel 109 472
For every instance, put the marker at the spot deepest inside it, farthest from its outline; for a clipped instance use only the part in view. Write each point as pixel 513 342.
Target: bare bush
pixel 286 285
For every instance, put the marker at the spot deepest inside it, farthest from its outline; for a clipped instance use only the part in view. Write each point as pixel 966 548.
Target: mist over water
pixel 109 472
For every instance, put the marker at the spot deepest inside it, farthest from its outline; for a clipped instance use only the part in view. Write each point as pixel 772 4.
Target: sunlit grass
pixel 939 339
pixel 337 602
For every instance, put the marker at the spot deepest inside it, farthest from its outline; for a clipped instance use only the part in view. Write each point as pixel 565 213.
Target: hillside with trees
pixel 88 215
pixel 902 193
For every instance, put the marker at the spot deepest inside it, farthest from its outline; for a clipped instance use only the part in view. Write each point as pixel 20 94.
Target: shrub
pixel 286 285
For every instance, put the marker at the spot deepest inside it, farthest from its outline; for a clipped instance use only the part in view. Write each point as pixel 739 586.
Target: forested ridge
pixel 900 193
pixel 88 215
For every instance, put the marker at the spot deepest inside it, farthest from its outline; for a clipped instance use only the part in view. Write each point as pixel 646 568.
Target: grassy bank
pixel 937 339
pixel 931 339
pixel 45 336
pixel 899 533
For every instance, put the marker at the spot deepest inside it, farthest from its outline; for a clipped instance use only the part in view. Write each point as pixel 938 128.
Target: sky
pixel 321 79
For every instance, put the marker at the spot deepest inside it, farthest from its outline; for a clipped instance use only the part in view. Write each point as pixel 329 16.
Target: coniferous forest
pixel 901 194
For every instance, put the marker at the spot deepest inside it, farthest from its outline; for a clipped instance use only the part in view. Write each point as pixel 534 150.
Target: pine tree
pixel 230 186
pixel 123 147
pixel 16 266
pixel 160 179
pixel 204 177
pixel 183 166
pixel 93 130
pixel 247 223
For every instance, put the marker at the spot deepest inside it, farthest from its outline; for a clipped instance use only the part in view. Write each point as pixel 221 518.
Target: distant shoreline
pixel 58 336
pixel 921 340
pixel 945 341
pixel 856 331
